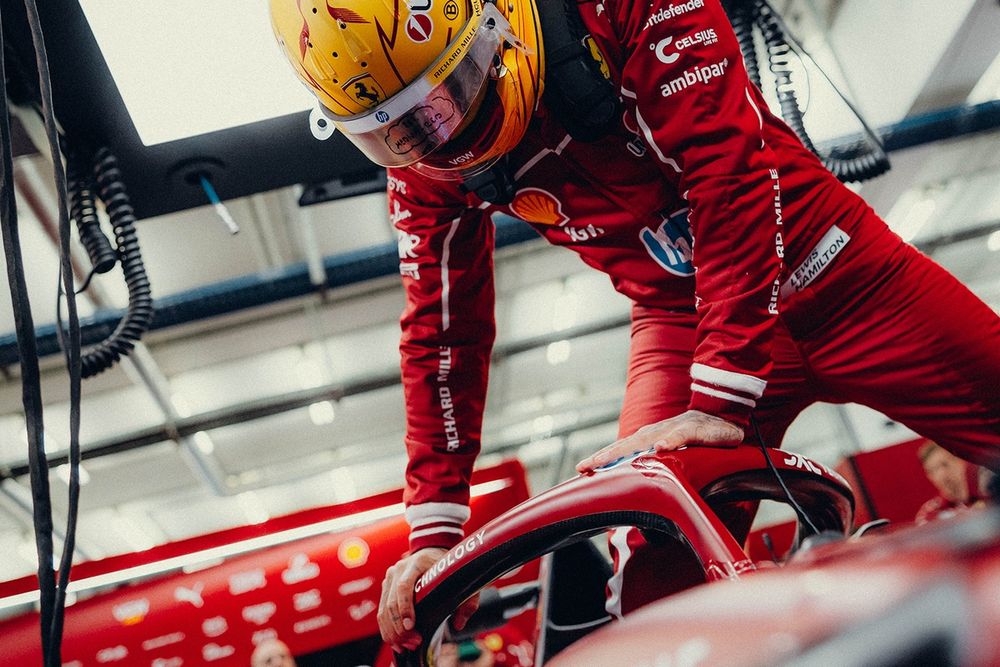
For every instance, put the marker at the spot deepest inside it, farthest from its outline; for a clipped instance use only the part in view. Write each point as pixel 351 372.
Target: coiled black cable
pixel 869 160
pixel 83 211
pixel 741 16
pixel 139 314
pixel 863 166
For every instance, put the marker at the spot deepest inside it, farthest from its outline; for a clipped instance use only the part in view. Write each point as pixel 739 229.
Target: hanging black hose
pixel 69 340
pixel 31 391
pixel 864 163
pixel 109 185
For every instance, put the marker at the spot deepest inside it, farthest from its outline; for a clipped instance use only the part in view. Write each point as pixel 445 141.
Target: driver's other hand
pixel 395 610
pixel 690 428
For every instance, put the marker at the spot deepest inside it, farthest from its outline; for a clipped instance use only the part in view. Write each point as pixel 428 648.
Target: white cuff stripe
pixel 728 379
pixel 451 512
pixel 723 395
pixel 417 523
pixel 434 531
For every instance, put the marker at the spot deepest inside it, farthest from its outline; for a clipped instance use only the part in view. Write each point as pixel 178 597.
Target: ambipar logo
pixel 696 75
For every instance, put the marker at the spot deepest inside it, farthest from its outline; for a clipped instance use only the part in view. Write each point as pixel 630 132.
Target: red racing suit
pixel 700 175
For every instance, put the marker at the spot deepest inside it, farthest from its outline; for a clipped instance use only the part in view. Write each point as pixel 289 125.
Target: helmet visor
pixel 427 113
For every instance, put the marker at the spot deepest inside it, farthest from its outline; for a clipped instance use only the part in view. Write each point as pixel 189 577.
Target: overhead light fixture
pixel 542 427
pixel 133 533
pixel 189 67
pixel 558 352
pixel 181 405
pixel 204 442
pixel 322 413
pixel 344 488
pixel 565 310
pixel 309 373
pixel 252 507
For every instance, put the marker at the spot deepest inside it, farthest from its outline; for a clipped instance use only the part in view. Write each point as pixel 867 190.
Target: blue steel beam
pixel 293 281
pixel 229 296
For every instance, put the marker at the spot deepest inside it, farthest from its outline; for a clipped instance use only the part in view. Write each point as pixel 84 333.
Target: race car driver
pixel 760 284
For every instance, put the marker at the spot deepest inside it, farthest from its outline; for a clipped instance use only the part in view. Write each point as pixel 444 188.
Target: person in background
pixel 956 481
pixel 272 653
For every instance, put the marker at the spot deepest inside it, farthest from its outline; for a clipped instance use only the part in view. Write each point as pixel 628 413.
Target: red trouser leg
pixel 658 387
pixel 919 347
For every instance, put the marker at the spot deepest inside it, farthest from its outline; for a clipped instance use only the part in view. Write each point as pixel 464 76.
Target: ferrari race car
pixel 924 595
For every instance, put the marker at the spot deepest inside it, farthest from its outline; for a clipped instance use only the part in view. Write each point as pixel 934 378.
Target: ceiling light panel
pixel 188 67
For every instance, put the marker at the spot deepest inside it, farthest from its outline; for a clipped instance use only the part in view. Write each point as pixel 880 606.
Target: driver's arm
pixel 448 328
pixel 684 81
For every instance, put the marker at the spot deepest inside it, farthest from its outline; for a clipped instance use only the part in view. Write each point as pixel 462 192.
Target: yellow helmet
pixel 400 78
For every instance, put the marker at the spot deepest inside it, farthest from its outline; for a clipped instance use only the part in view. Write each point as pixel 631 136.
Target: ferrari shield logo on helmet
pixel 365 90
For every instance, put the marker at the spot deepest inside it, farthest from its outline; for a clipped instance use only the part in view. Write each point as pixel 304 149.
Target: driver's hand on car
pixel 690 428
pixel 396 619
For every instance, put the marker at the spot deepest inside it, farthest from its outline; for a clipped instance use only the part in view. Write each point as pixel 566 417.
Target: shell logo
pixel 353 552
pixel 539 206
pixel 131 612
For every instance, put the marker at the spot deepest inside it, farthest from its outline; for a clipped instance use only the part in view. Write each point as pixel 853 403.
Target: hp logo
pixel 381 116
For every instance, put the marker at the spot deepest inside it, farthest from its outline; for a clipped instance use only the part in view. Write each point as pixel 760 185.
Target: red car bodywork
pixel 928 593
pixel 880 599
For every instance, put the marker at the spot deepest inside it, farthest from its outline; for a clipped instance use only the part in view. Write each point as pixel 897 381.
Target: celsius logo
pixel 660 49
pixel 704 37
pixel 381 116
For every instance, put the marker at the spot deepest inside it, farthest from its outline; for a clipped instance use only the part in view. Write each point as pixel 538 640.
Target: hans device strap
pixel 585 102
pixel 495 185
